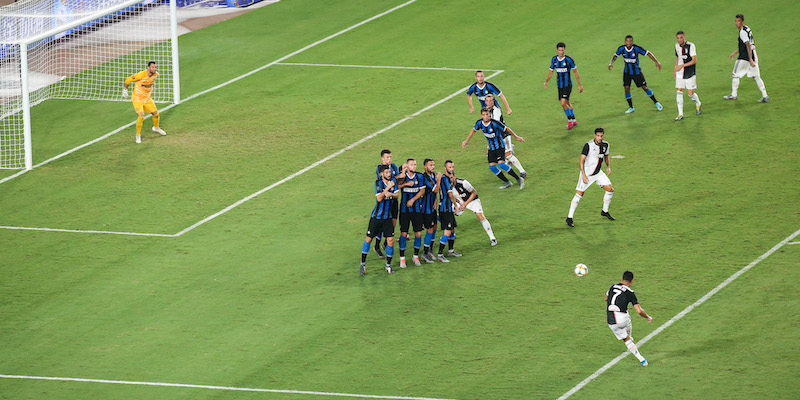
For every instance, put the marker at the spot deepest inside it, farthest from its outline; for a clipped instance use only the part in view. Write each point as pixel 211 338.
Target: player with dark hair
pixel 412 190
pixel 467 199
pixel 632 72
pixel 481 88
pixel 591 165
pixel 562 64
pixel 497 114
pixel 685 78
pixel 429 217
pixel 142 102
pixel 747 62
pixel 493 131
pixel 386 159
pixel 617 299
pixel 447 200
pixel 381 218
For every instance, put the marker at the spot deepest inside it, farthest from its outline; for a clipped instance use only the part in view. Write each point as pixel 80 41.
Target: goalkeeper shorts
pixel 149 107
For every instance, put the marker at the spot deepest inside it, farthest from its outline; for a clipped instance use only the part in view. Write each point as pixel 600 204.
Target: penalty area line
pixel 386 67
pixel 681 314
pixel 27 228
pixel 231 388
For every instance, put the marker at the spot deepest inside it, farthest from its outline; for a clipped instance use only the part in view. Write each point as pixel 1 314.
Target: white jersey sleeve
pixel 467 186
pixel 496 113
pixel 744 36
pixel 692 50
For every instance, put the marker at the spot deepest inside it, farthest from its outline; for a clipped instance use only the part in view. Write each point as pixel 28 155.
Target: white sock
pixel 607 200
pixel 679 100
pixel 515 162
pixel 735 87
pixel 634 350
pixel 575 200
pixel 488 228
pixel 696 99
pixel 761 86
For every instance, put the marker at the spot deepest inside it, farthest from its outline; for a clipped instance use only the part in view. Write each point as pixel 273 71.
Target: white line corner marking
pixel 232 388
pixel 681 314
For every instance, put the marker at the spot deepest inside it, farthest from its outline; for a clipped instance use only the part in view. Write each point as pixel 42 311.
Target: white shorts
pixel 690 83
pixel 600 178
pixel 509 145
pixel 474 206
pixel 623 327
pixel 742 68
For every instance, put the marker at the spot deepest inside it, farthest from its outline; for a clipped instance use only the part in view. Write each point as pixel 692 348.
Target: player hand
pixel 678 67
pixel 730 57
pixel 580 88
pixel 752 64
pixel 464 144
pixel 410 203
pixel 609 66
pixel 658 65
pixel 124 92
pixel 545 84
pixel 508 110
pixel 390 185
pixel 471 109
pixel 519 138
pixel 585 179
pixel 649 319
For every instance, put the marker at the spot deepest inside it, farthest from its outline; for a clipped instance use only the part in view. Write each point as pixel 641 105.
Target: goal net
pixel 78 50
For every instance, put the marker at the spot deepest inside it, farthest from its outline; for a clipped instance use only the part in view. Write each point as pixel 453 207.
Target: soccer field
pixel 221 261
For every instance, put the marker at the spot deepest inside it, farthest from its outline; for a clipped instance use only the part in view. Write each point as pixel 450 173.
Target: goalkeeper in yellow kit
pixel 142 102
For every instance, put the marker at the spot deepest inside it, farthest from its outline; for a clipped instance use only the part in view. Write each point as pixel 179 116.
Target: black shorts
pixel 394 209
pixel 429 220
pixel 448 220
pixel 382 227
pixel 638 79
pixel 410 218
pixel 496 155
pixel 563 93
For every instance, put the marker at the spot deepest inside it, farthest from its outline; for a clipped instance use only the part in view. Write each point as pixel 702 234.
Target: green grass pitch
pixel 268 295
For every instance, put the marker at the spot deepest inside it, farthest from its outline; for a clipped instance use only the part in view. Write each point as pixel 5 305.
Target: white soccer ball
pixel 581 269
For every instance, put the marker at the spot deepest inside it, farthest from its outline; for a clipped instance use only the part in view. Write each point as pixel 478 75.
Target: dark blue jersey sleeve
pixel 571 63
pixel 640 49
pixel 492 88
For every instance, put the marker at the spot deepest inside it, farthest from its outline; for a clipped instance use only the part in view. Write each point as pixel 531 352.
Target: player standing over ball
pixel 685 78
pixel 562 64
pixel 632 72
pixel 497 114
pixel 142 102
pixel 386 159
pixel 617 299
pixel 380 221
pixel 481 88
pixel 493 129
pixel 747 62
pixel 591 165
pixel 467 199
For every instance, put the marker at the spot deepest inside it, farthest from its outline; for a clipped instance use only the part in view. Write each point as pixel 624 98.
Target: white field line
pixel 240 77
pixel 793 243
pixel 340 151
pixel 27 228
pixel 232 388
pixel 385 67
pixel 681 314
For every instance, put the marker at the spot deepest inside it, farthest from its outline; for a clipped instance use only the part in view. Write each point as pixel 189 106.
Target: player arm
pixel 416 197
pixel 734 54
pixel 549 75
pixel 438 183
pixel 505 102
pixel 469 101
pixel 578 79
pixel 641 312
pixel 750 53
pixel 515 135
pixel 464 143
pixel 471 197
pixel 611 64
pixel 608 164
pixel 655 60
pixel 583 168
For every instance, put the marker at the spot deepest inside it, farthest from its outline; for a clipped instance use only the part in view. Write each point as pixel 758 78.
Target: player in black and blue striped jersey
pixel 493 130
pixel 562 64
pixel 481 88
pixel 380 220
pixel 411 191
pixel 446 215
pixel 386 159
pixel 429 217
pixel 632 72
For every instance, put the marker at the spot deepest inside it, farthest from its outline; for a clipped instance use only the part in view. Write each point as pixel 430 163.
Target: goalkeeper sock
pixel 139 122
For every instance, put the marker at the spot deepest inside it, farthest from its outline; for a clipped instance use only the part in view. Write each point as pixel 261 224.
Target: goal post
pixel 78 50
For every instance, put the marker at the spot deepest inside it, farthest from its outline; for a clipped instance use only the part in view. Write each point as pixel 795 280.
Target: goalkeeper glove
pixel 124 92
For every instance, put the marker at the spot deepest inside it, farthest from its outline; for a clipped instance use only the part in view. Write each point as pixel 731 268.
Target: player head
pixel 627 278
pixel 411 165
pixel 681 38
pixel 429 165
pixel 599 133
pixel 152 67
pixel 489 100
pixel 479 76
pixel 561 48
pixel 486 114
pixel 385 172
pixel 386 157
pixel 629 41
pixel 739 20
pixel 449 168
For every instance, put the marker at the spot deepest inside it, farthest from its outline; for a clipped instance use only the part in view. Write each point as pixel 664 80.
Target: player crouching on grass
pixel 142 102
pixel 493 130
pixel 380 220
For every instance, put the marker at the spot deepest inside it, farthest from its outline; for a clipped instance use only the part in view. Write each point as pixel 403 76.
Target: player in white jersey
pixel 497 114
pixel 617 299
pixel 591 164
pixel 467 199
pixel 685 77
pixel 746 63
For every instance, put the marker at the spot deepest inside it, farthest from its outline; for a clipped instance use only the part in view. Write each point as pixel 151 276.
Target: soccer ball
pixel 581 269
